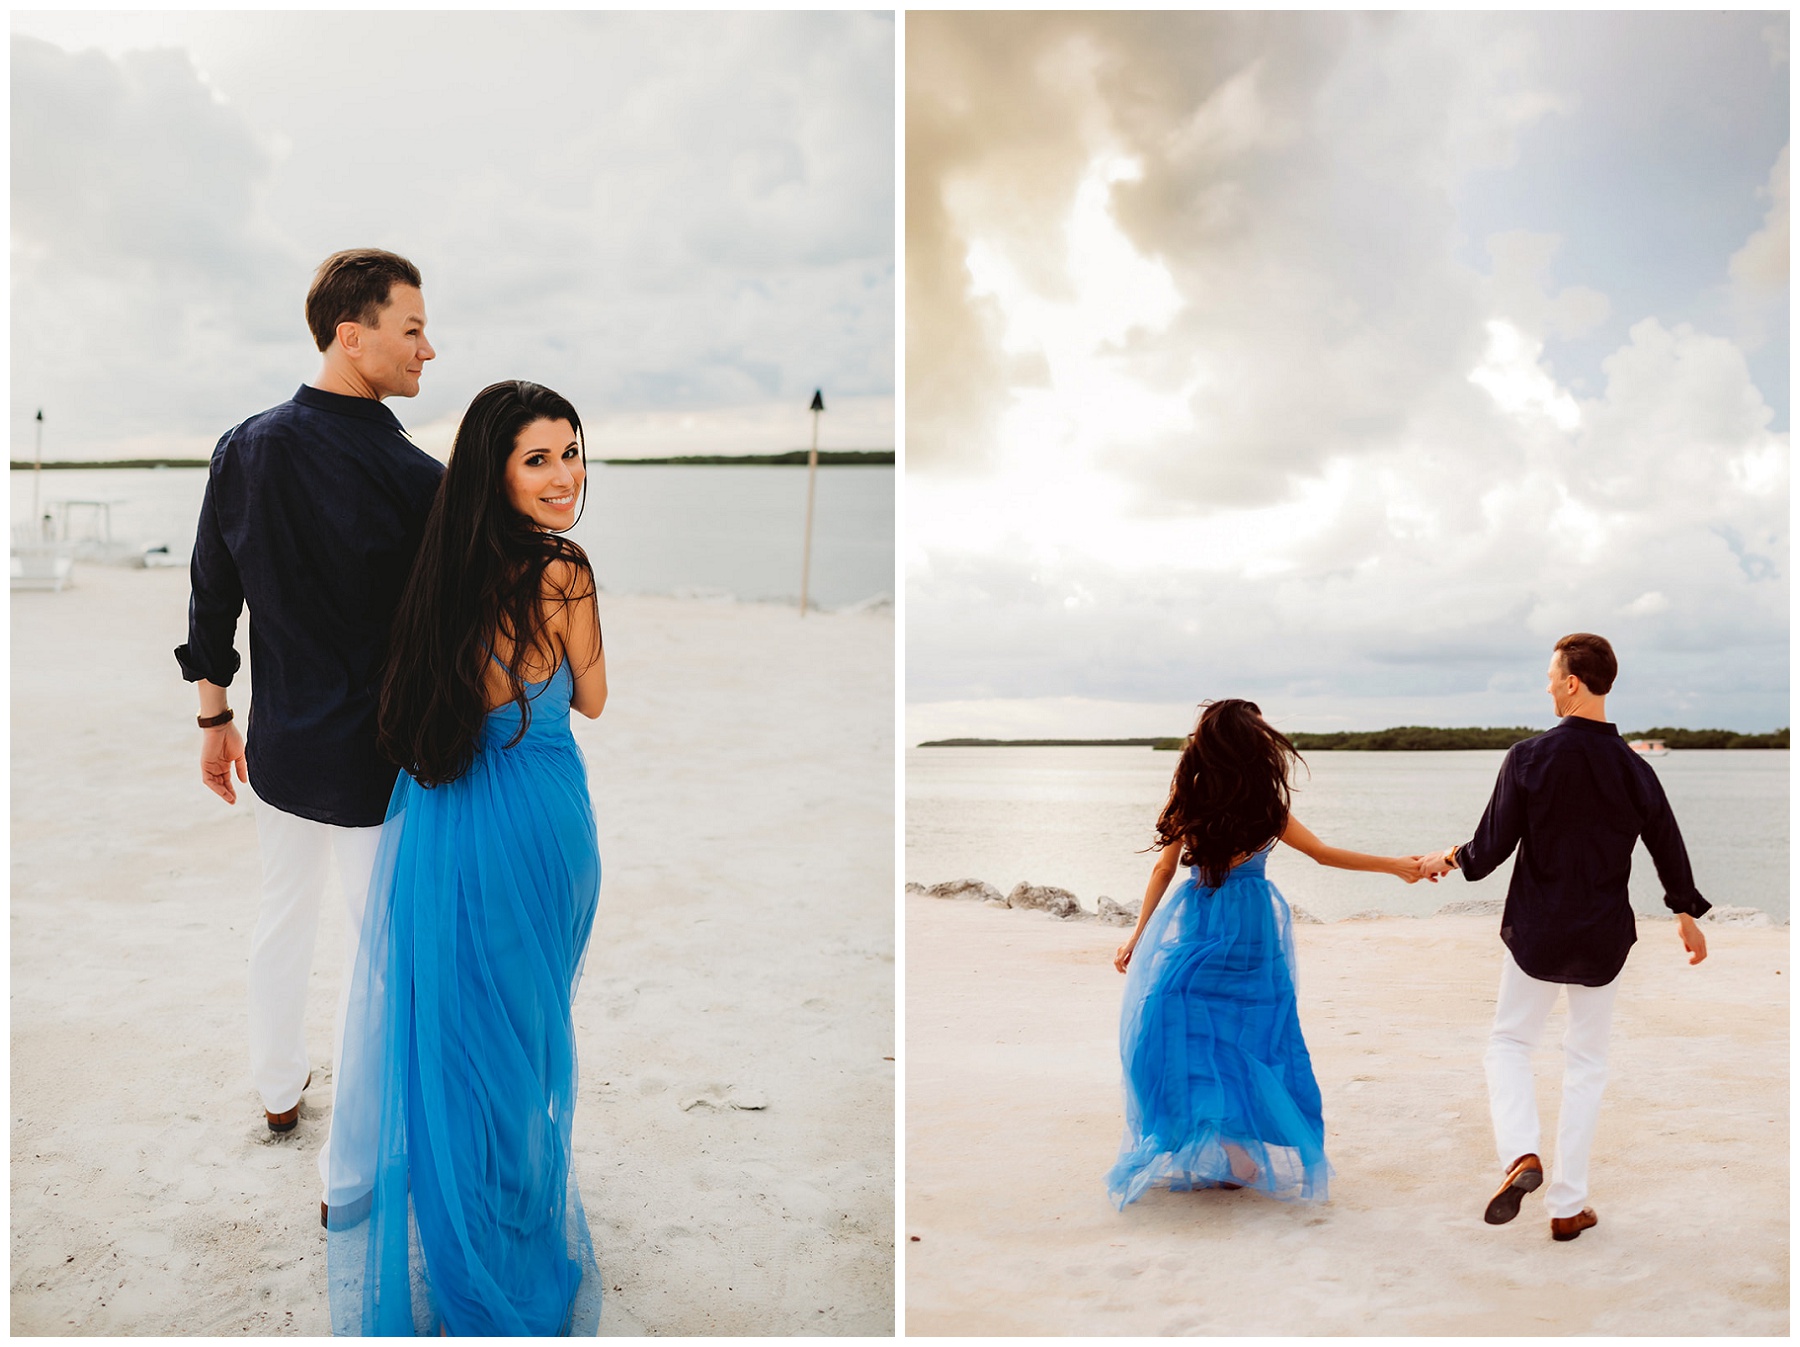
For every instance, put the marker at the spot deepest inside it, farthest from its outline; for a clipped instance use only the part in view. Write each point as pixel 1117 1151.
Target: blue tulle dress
pixel 1210 1038
pixel 453 1197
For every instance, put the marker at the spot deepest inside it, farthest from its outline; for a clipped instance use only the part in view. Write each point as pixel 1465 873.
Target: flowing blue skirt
pixel 453 1196
pixel 1213 1055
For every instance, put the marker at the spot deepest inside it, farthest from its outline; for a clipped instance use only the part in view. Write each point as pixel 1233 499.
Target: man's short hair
pixel 353 287
pixel 1590 658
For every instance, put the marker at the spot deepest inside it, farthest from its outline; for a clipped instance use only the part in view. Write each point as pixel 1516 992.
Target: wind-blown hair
pixel 1230 794
pixel 486 580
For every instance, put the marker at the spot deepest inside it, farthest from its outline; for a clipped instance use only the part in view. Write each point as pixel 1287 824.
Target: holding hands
pixel 1411 868
pixel 1435 864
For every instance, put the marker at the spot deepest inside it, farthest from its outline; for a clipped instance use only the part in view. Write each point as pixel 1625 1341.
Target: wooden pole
pixel 37 468
pixel 812 474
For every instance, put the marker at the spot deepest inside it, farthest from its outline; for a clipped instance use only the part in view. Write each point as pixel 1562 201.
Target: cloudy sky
pixel 683 222
pixel 1343 362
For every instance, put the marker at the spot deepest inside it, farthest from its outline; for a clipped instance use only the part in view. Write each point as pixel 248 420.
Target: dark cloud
pixel 986 114
pixel 146 283
pixel 122 165
pixel 1295 177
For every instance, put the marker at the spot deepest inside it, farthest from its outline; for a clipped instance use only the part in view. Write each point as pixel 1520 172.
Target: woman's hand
pixel 1407 867
pixel 1122 957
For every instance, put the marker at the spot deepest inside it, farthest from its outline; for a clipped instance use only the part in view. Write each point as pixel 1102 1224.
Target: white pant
pixel 296 863
pixel 1519 1016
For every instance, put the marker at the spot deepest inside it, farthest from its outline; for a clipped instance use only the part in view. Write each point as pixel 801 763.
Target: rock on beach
pixel 1044 898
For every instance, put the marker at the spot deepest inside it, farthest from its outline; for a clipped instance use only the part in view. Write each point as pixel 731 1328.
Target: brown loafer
pixel 1568 1227
pixel 284 1122
pixel 1526 1174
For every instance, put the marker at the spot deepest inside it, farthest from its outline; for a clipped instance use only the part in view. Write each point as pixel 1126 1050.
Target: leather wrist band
pixel 1450 858
pixel 208 722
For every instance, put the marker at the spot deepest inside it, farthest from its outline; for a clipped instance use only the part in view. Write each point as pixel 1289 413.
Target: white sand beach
pixel 1014 1116
pixel 735 1131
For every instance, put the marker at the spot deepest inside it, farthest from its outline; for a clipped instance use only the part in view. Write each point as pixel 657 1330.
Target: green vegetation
pixel 1048 743
pixel 1413 739
pixel 1714 738
pixel 25 465
pixel 834 458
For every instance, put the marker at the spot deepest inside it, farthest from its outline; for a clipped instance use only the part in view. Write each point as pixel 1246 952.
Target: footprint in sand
pixel 724 1098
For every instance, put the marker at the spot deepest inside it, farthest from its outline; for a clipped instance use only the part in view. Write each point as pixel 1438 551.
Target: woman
pixel 1219 1089
pixel 453 1200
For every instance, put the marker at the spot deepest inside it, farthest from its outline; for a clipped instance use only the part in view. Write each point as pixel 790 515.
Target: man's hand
pixel 1430 867
pixel 220 747
pixel 1691 938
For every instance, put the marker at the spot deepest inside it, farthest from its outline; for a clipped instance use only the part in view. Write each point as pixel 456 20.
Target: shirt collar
pixel 1587 726
pixel 369 409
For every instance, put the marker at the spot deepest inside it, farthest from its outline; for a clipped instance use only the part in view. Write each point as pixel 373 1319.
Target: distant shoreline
pixel 47 465
pixel 1403 739
pixel 835 458
pixel 828 458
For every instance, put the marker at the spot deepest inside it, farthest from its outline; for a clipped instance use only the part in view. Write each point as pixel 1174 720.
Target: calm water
pixel 650 530
pixel 1075 817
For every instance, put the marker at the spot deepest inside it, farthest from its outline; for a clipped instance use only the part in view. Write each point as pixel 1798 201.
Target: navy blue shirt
pixel 312 515
pixel 1574 801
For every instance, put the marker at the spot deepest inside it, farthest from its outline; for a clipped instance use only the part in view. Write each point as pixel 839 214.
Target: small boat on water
pixel 42 565
pixel 1649 748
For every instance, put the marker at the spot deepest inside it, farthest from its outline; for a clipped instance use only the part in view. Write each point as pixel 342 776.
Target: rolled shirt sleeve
pixel 1662 839
pixel 217 599
pixel 1573 803
pixel 310 520
pixel 1502 825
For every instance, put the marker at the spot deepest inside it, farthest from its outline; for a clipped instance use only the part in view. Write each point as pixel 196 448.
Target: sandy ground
pixel 1013 1118
pixel 742 956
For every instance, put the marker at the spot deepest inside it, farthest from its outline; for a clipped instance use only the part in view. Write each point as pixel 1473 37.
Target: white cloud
pixel 1511 374
pixel 1518 288
pixel 1342 469
pixel 1759 269
pixel 1762 263
pixel 647 212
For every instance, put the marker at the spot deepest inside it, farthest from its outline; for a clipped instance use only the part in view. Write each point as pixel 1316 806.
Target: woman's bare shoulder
pixel 569 576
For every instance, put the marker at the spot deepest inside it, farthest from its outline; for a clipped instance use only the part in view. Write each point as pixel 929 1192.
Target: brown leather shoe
pixel 284 1122
pixel 1568 1227
pixel 1526 1174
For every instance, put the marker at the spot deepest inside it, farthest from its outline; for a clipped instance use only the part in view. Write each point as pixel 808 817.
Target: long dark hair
pixel 478 586
pixel 1230 794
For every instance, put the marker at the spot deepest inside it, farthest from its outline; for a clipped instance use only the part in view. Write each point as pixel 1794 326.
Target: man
pixel 1574 801
pixel 312 515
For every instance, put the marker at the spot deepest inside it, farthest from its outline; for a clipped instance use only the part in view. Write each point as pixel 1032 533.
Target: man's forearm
pixel 213 698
